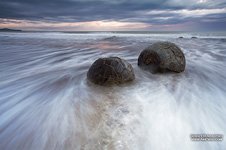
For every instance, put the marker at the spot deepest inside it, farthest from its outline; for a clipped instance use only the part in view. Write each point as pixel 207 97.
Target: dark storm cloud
pixel 77 10
pixel 118 10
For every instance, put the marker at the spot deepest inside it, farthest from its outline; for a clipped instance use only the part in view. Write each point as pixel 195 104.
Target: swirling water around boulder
pixel 47 103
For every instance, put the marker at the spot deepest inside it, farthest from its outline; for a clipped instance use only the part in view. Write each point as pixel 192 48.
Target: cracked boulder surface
pixel 110 70
pixel 162 57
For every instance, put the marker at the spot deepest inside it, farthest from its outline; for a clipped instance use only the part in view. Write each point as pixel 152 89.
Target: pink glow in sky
pixel 117 15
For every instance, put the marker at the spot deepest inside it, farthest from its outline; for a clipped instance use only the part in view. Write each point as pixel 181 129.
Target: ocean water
pixel 47 103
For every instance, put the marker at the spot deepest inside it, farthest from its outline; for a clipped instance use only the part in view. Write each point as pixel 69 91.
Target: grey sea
pixel 46 102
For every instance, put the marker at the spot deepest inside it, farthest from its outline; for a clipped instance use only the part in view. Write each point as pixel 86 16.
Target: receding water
pixel 47 103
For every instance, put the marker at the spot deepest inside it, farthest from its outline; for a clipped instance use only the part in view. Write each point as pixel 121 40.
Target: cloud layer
pixel 117 14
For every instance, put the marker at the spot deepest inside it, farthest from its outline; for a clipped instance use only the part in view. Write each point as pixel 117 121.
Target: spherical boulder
pixel 111 70
pixel 162 57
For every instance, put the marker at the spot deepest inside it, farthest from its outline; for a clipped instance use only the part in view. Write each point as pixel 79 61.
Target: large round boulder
pixel 111 70
pixel 162 57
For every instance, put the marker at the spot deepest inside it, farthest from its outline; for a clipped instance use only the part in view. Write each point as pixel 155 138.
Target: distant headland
pixel 9 30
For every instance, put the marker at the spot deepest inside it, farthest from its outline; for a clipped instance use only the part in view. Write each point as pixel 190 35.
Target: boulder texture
pixel 162 57
pixel 111 70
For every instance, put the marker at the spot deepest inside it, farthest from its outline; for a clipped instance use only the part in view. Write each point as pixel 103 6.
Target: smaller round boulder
pixel 111 70
pixel 162 57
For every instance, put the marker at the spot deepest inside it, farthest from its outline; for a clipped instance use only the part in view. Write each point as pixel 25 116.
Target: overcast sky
pixel 104 15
